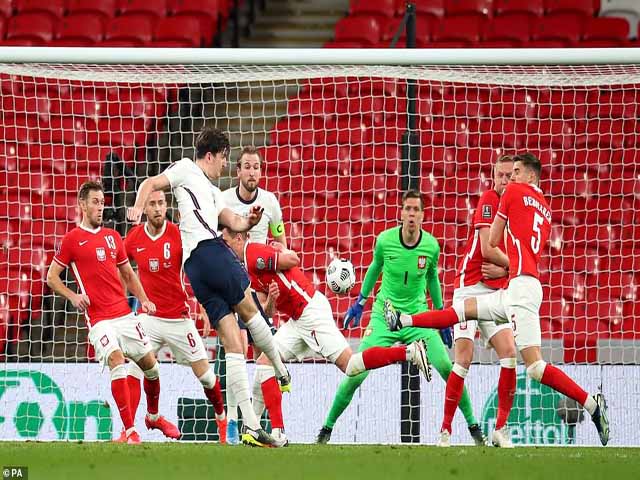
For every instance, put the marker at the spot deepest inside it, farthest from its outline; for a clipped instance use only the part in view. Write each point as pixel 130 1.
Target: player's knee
pixel 536 370
pixel 135 371
pixel 464 352
pixel 263 360
pixel 152 373
pixel 208 379
pixel 116 358
pixel 118 372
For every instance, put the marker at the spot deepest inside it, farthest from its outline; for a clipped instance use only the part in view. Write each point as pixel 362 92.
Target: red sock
pixel 506 392
pixel 376 357
pixel 435 318
pixel 214 395
pixel 134 394
pixel 152 391
pixel 273 401
pixel 120 392
pixel 559 381
pixel 452 395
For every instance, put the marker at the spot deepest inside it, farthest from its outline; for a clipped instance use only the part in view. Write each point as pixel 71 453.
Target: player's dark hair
pixel 249 150
pixel 87 187
pixel 530 161
pixel 211 140
pixel 412 194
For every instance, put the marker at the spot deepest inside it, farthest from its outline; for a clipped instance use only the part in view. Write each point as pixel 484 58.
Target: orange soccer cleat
pixel 222 430
pixel 165 426
pixel 122 438
pixel 133 438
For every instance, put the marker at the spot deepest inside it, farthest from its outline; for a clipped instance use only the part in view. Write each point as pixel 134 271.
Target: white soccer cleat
pixel 418 356
pixel 444 440
pixel 501 438
pixel 279 436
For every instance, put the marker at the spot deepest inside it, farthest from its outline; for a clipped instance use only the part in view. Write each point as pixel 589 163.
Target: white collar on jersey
pixel 90 230
pixel 162 230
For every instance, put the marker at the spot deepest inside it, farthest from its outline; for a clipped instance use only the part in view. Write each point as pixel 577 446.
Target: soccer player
pixel 156 248
pixel 311 331
pixel 240 200
pixel 481 271
pixel 526 215
pixel 407 257
pixel 96 254
pixel 219 281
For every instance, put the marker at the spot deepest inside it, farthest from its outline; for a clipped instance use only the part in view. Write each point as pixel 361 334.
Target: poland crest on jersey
pixel 154 264
pixel 101 254
pixel 422 262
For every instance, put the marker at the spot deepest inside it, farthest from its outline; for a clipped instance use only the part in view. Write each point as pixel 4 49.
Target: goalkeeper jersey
pixel 407 272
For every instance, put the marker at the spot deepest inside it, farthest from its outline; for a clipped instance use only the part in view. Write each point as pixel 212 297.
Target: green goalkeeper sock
pixel 343 397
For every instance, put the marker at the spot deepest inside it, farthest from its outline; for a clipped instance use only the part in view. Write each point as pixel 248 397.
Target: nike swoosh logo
pixel 140 249
pixel 82 243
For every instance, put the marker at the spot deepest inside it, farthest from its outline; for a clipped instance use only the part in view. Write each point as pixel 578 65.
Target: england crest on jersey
pixel 422 262
pixel 101 254
pixel 154 264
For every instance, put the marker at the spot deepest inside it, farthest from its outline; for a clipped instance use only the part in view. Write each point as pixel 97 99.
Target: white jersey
pixel 199 203
pixel 271 217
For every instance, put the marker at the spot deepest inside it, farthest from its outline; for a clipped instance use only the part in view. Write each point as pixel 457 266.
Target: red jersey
pixel 470 267
pixel 94 257
pixel 296 290
pixel 528 227
pixel 159 261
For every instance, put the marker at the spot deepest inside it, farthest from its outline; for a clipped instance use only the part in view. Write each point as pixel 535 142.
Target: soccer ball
pixel 341 277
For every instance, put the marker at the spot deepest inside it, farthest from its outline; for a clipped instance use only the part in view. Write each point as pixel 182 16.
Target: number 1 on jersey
pixel 406 276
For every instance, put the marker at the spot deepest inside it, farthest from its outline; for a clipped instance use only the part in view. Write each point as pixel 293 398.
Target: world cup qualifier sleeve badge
pixel 422 262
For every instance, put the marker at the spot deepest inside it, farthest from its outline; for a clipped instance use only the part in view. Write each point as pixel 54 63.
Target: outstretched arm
pixel 150 185
pixel 239 223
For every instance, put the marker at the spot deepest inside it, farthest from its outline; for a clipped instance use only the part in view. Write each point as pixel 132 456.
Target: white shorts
pixel 490 301
pixel 314 335
pixel 123 333
pixel 522 303
pixel 180 335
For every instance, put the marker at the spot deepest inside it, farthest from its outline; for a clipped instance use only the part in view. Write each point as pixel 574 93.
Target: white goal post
pixel 342 134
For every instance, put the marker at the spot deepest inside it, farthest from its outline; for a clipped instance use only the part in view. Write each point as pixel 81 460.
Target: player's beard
pixel 156 222
pixel 250 187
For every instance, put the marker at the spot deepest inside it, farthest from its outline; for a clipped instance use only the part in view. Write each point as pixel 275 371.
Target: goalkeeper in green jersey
pixel 407 257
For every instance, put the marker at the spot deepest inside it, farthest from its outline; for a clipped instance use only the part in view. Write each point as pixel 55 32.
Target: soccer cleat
pixel 501 438
pixel 278 435
pixel 418 352
pixel 444 440
pixel 285 383
pixel 601 418
pixel 233 437
pixel 260 438
pixel 324 435
pixel 222 430
pixel 478 437
pixel 167 428
pixel 122 438
pixel 133 438
pixel 391 316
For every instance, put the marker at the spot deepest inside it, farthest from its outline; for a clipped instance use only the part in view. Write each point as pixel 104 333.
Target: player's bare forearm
pixel 234 221
pixel 56 284
pixel 492 254
pixel 281 239
pixel 267 303
pixel 132 282
pixel 497 231
pixel 147 187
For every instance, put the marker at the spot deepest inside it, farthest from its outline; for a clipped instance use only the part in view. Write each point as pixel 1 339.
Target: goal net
pixel 334 139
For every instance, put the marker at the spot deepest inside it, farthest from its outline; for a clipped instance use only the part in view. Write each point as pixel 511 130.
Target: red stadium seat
pixel 207 11
pixel 34 27
pixel 445 131
pixel 307 103
pixel 364 29
pixel 424 28
pixel 569 286
pixel 185 29
pixel 344 130
pixel 514 28
pixel 544 134
pixel 563 27
pixel 155 8
pixel 134 28
pixel 54 8
pixel 6 8
pixel 607 134
pixel 505 133
pixel 613 286
pixel 463 28
pixel 104 8
pixel 434 8
pixel 614 103
pixel 298 208
pixel 512 102
pixel 481 8
pixel 328 159
pixel 378 8
pixel 376 159
pixel 136 102
pixel 584 8
pixel 282 160
pixel 296 131
pixel 533 8
pixel 606 28
pixel 83 27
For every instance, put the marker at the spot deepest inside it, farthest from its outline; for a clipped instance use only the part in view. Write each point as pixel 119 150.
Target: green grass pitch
pixel 95 461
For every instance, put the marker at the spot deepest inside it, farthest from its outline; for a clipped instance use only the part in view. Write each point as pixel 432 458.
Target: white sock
pixel 406 320
pixel 590 405
pixel 232 405
pixel 460 370
pixel 355 365
pixel 263 339
pixel 238 383
pixel 263 373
